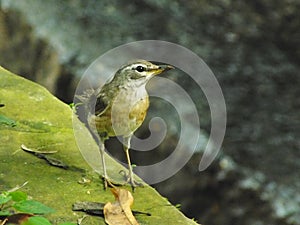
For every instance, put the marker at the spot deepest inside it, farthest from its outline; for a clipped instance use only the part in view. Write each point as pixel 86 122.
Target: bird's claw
pixel 130 180
pixel 107 182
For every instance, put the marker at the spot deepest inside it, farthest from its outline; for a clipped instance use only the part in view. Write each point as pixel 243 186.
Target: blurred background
pixel 253 48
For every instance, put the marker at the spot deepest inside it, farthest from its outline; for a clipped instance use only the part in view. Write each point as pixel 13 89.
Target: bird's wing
pixel 91 102
pixel 101 105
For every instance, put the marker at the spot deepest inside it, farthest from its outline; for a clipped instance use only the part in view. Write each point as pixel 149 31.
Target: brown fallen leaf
pixel 18 218
pixel 119 212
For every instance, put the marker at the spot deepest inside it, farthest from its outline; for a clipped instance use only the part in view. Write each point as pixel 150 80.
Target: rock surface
pixel 253 49
pixel 43 123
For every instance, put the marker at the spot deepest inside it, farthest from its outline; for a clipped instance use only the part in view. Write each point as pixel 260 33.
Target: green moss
pixel 45 123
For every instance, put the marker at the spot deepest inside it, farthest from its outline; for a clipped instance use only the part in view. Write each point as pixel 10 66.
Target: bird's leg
pixel 130 178
pixel 100 140
pixel 106 180
pixel 126 149
pixel 102 153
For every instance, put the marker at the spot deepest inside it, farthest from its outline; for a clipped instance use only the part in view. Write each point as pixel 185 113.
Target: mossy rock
pixel 35 118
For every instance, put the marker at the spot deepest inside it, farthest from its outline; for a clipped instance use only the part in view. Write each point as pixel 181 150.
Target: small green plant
pixel 74 106
pixel 16 204
pixel 178 206
pixel 7 121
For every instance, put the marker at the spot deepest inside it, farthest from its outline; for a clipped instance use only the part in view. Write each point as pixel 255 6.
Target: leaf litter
pixel 119 212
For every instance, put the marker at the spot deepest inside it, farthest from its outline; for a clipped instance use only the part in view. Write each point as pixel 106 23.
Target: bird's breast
pixel 126 113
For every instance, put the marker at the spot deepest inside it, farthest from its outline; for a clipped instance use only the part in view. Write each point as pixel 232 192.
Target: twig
pixel 42 155
pixel 26 149
pixel 96 208
pixel 17 188
pixel 4 221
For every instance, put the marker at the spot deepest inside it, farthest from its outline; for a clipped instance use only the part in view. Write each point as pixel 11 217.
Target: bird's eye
pixel 140 68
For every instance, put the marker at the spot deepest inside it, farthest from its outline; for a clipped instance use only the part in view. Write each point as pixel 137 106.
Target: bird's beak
pixel 162 68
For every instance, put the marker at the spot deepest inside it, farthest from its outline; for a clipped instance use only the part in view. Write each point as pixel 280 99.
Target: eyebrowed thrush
pixel 121 106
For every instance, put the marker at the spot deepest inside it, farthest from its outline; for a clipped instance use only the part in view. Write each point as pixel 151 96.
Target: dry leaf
pixel 18 218
pixel 119 212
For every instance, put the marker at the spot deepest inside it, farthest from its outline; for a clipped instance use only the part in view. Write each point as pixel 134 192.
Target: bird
pixel 119 108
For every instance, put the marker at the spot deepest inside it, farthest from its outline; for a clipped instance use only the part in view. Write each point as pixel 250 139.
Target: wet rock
pixel 252 47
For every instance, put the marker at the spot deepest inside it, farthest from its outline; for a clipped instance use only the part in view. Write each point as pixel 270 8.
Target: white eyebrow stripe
pixel 136 65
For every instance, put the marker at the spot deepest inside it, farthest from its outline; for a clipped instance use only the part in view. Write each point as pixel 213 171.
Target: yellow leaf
pixel 119 212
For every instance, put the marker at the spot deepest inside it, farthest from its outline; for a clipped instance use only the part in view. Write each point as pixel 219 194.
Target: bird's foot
pixel 107 182
pixel 130 180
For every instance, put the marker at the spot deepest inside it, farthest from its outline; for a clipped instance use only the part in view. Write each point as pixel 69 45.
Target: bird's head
pixel 141 71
